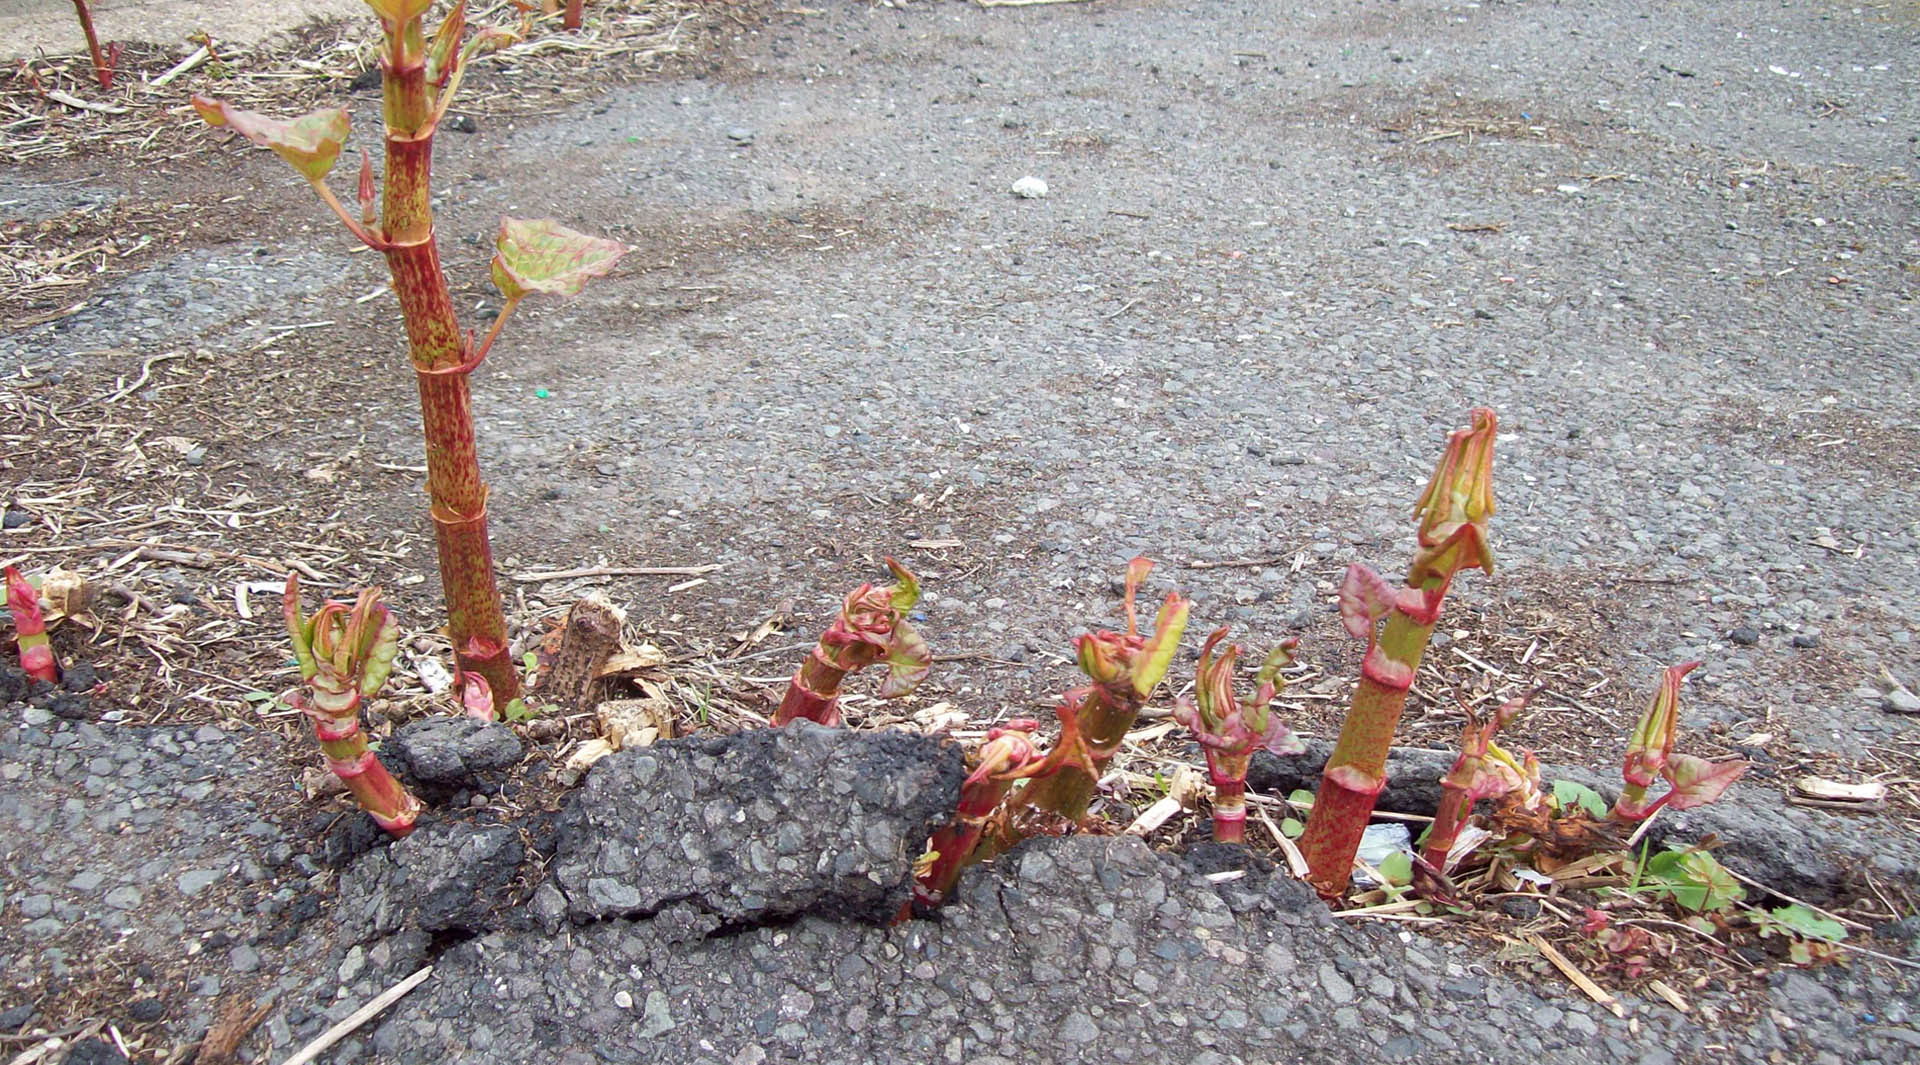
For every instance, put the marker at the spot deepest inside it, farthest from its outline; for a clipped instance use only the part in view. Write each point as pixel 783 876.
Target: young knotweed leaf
pixel 310 144
pixel 446 44
pixel 1461 489
pixel 1697 782
pixel 544 256
pixel 299 629
pixel 909 660
pixel 476 696
pixel 906 587
pixel 1151 665
pixel 380 644
pixel 1365 598
pixel 399 11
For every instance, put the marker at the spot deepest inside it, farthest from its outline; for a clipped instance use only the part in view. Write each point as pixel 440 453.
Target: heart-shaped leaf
pixel 909 659
pixel 544 256
pixel 1697 782
pixel 310 143
pixel 1365 597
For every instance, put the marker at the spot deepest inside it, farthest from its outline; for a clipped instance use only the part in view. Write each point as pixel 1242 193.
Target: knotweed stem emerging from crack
pixel 420 78
pixel 345 655
pixel 872 628
pixel 1229 731
pixel 30 629
pixel 1396 624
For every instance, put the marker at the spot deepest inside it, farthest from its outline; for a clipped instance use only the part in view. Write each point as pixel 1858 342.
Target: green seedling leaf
pixel 1804 922
pixel 1292 827
pixel 1397 868
pixel 1693 879
pixel 545 256
pixel 1569 793
pixel 257 696
pixel 310 144
pixel 1301 797
pixel 517 712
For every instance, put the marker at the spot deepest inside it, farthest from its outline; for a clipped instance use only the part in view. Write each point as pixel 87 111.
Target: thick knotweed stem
pixel 420 77
pixel 345 655
pixel 1229 731
pixel 1007 756
pixel 1692 781
pixel 30 629
pixel 1453 514
pixel 872 628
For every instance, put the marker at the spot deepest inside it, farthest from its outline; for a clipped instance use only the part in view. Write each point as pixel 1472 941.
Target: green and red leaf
pixel 1365 598
pixel 310 144
pixel 544 256
pixel 399 11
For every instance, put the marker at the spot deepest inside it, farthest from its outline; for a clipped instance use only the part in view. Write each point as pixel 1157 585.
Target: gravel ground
pixel 1282 251
pixel 1083 949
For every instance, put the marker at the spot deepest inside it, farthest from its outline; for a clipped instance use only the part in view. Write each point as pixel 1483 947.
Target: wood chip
pixel 1296 861
pixel 1579 979
pixel 1659 987
pixel 1871 791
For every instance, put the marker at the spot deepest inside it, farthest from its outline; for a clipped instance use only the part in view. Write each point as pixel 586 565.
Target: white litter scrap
pixel 1029 188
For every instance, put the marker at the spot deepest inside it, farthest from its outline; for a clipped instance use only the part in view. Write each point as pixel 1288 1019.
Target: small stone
pixel 37 717
pixel 146 1010
pixel 461 124
pixel 1901 701
pixel 194 881
pixel 243 958
pixel 13 519
pixel 656 1018
pixel 1745 635
pixel 1801 989
pixel 1078 1028
pixel 1030 188
pixel 623 999
pixel 197 457
pixel 740 135
pixel 1335 985
pixel 208 734
pixel 123 898
pixel 93 1052
pixel 16 1017
pixel 1805 640
pixel 34 907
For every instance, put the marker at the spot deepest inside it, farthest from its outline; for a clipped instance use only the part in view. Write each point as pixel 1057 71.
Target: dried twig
pixel 614 571
pixel 1580 980
pixel 357 1018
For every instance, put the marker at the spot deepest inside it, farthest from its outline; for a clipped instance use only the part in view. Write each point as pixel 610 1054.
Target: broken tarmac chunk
pixel 761 825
